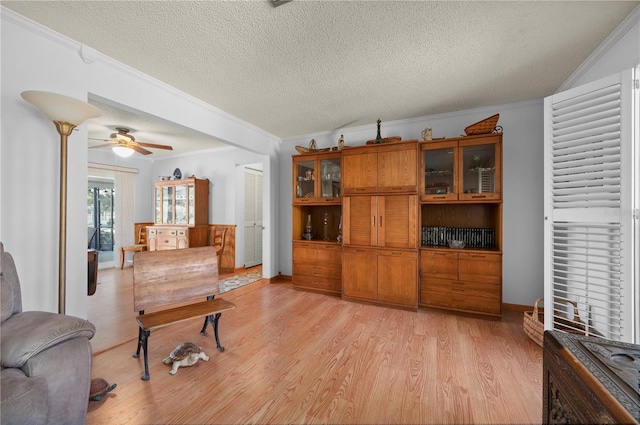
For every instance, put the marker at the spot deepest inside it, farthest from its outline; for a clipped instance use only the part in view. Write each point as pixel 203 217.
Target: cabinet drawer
pixel 324 284
pixel 317 271
pixel 166 243
pixel 171 232
pixel 457 287
pixel 329 255
pixel 302 269
pixel 480 267
pixel 439 264
pixel 460 302
pixel 327 271
pixel 304 254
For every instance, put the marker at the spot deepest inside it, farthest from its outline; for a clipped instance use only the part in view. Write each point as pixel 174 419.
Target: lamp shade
pixel 122 151
pixel 61 108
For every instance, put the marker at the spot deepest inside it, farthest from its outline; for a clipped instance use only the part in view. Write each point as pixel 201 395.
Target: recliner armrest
pixel 26 334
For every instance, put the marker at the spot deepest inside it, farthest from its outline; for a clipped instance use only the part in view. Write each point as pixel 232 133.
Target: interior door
pixel 252 217
pixel 590 208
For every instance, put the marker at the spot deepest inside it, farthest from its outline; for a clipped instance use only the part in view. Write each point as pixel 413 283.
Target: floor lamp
pixel 66 113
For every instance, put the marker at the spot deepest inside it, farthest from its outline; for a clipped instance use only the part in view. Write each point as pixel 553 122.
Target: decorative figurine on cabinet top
pixel 427 134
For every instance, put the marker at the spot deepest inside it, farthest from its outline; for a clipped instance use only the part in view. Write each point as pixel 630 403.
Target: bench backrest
pixel 162 278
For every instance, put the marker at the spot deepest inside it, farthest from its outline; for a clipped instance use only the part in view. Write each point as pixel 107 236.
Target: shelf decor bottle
pixel 307 229
pixel 326 226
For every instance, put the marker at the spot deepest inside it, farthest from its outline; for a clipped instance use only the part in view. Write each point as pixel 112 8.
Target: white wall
pixel 30 168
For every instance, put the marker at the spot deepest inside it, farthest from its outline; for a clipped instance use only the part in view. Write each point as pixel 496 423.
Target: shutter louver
pixel 586 150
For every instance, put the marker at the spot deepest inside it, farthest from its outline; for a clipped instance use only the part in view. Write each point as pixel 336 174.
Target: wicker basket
pixel 534 323
pixel 487 125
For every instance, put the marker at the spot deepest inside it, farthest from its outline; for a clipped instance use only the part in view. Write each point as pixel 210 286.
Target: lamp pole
pixel 65 129
pixel 66 113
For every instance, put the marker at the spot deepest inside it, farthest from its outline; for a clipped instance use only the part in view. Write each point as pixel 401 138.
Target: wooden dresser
pixel 167 237
pixel 589 380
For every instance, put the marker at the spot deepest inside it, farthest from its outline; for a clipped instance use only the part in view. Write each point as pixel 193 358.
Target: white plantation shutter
pixel 591 251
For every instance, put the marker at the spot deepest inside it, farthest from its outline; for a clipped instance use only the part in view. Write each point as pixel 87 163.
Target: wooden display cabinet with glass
pixel 183 202
pixel 316 178
pixel 462 169
pixel 317 223
pixel 461 200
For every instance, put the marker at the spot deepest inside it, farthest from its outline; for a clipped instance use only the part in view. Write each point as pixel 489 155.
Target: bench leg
pixel 140 337
pixel 215 331
pixel 143 342
pixel 213 319
pixel 207 319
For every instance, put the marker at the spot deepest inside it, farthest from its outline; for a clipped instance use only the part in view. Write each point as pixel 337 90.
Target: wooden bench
pixel 178 285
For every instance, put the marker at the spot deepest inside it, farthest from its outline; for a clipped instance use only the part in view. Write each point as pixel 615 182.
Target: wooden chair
pixel 141 244
pixel 219 234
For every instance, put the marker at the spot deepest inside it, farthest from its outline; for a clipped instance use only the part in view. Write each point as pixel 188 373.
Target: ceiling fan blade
pixel 102 140
pixel 153 145
pixel 140 150
pixel 101 146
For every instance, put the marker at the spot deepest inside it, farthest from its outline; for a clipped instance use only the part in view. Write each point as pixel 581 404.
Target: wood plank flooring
pixel 298 357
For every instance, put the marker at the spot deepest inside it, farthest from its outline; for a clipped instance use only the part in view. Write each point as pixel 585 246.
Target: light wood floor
pixel 298 357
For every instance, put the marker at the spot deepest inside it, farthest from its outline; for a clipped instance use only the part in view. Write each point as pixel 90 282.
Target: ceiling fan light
pixel 122 151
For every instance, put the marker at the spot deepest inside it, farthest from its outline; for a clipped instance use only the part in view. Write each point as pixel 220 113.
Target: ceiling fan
pixel 124 144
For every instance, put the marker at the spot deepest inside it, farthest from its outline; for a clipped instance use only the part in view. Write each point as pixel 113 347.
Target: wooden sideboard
pixel 590 380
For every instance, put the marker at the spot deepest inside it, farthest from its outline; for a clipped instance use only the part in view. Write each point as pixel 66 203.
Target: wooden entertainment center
pixel 372 223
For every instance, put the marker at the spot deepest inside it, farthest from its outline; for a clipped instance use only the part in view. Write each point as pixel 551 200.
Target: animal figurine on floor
pixel 99 388
pixel 185 354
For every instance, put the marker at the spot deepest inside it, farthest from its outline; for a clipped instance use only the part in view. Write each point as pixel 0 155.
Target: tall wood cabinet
pixel 181 214
pixel 316 222
pixel 461 199
pixel 380 254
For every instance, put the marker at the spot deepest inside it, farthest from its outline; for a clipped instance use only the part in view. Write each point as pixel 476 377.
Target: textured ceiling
pixel 313 66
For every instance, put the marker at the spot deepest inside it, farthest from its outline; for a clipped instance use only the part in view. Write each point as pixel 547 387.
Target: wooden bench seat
pixel 178 285
pixel 159 319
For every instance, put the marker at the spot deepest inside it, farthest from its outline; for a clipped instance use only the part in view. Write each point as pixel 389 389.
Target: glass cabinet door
pixel 158 215
pixel 167 205
pixel 439 172
pixel 191 204
pixel 330 177
pixel 181 204
pixel 305 174
pixel 480 171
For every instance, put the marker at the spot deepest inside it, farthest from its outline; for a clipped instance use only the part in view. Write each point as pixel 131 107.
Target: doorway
pixel 253 224
pixel 100 219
